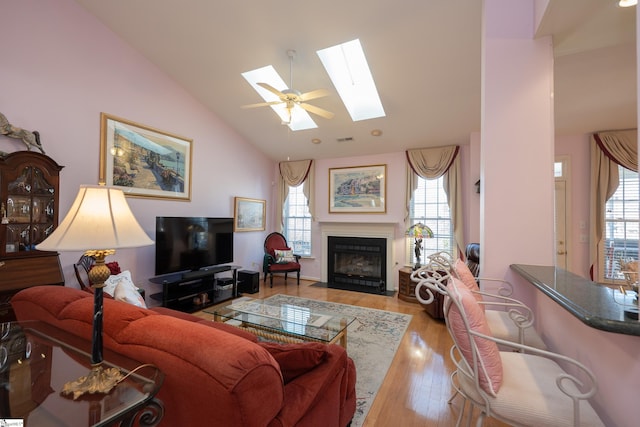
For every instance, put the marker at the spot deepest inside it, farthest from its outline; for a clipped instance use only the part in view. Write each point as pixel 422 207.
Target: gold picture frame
pixel 143 161
pixel 249 214
pixel 358 189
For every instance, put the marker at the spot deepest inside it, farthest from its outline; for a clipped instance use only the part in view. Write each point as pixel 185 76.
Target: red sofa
pixel 215 374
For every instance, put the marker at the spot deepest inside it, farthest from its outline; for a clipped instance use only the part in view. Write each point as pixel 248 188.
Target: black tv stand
pixel 194 290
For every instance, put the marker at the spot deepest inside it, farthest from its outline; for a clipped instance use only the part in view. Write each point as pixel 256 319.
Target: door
pixel 561 226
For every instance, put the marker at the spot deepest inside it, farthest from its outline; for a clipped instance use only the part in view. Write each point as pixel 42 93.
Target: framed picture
pixel 249 214
pixel 358 189
pixel 143 161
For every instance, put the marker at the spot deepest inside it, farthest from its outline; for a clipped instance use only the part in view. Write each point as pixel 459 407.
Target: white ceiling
pixel 424 56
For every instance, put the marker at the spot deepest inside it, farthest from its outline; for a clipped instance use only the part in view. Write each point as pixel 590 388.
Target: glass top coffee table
pixel 284 322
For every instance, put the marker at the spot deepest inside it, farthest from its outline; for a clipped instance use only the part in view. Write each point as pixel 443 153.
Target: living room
pixel 62 68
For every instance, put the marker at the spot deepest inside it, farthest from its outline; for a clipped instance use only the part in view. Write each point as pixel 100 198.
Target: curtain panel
pixel 432 163
pixel 293 174
pixel 608 150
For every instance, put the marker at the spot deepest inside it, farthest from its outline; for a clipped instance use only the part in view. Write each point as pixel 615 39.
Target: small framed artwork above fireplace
pixel 360 189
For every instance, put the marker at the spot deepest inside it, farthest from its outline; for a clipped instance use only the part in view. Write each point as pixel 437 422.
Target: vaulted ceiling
pixel 424 56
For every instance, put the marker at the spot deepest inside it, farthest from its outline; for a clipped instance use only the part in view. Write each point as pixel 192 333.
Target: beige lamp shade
pixel 99 218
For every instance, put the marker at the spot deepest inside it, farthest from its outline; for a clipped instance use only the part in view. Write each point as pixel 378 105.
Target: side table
pixel 406 286
pixel 407 292
pixel 36 360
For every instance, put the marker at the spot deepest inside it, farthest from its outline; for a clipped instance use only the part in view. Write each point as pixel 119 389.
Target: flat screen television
pixel 191 243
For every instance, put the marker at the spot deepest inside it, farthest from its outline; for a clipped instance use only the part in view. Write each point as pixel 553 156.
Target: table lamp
pixel 419 231
pixel 98 222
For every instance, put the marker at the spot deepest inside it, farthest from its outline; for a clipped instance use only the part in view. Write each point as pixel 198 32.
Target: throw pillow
pixel 284 256
pixel 464 274
pixel 296 359
pixel 113 280
pixel 489 360
pixel 128 293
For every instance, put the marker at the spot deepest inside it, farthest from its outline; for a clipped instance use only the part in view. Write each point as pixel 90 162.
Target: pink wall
pixel 62 68
pixel 396 185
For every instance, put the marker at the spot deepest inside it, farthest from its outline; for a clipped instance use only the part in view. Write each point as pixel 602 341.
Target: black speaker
pixel 248 281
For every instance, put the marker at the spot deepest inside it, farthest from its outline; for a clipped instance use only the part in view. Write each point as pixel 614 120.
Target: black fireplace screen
pixel 357 262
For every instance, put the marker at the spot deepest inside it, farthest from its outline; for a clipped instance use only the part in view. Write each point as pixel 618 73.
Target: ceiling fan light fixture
pixel 300 120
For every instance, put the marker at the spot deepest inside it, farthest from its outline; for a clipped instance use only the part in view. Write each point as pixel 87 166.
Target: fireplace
pixel 357 263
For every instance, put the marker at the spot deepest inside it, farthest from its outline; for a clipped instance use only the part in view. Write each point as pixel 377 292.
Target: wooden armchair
pixel 279 258
pixel 82 267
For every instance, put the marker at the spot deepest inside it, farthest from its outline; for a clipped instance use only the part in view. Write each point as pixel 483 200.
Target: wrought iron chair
pixel 527 386
pixel 508 318
pixel 279 258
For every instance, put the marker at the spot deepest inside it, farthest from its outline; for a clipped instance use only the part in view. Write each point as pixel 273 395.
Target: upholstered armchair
pixel 472 255
pixel 520 386
pixel 279 258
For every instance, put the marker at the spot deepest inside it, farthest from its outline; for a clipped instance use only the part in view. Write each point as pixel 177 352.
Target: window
pixel 621 225
pixel 297 221
pixel 429 205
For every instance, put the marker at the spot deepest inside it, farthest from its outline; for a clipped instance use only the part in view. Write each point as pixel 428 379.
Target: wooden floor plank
pixel 417 386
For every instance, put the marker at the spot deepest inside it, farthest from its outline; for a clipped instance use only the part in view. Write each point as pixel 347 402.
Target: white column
pixel 517 144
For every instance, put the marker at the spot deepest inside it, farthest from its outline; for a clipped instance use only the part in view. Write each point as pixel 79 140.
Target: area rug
pixel 372 341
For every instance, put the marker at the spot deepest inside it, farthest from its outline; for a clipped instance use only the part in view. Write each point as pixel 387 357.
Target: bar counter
pixel 596 305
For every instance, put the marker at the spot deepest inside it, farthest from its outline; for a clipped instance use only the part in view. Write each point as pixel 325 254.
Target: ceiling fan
pixel 292 98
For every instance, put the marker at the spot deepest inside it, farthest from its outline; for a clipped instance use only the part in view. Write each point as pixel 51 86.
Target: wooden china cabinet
pixel 29 193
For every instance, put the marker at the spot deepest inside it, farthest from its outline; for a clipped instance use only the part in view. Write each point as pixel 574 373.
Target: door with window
pixel 561 206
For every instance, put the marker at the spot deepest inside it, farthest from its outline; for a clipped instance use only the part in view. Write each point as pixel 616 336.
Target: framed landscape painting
pixel 249 214
pixel 143 161
pixel 358 189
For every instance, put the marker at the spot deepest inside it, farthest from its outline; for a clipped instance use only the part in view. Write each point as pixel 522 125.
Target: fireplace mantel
pixel 360 229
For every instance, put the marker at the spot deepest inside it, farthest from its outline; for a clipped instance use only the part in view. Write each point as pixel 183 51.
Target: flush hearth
pixel 357 263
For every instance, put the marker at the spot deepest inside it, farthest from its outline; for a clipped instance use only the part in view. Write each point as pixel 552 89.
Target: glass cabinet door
pixel 29 210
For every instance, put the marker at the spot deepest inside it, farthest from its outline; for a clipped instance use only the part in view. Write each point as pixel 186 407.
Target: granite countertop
pixel 596 305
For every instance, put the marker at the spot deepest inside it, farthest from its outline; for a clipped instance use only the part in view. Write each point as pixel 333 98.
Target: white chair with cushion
pixel 508 318
pixel 523 386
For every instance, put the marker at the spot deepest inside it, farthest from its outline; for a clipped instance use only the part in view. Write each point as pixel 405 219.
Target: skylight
pixel 300 119
pixel 347 66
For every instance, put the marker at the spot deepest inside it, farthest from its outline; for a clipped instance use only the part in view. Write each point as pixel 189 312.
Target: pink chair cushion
pixel 465 275
pixel 489 361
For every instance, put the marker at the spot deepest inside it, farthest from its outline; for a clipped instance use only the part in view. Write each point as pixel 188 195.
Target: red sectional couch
pixel 215 374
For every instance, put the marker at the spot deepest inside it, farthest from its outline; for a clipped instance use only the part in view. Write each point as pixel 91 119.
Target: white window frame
pixel 621 232
pixel 297 222
pixel 442 226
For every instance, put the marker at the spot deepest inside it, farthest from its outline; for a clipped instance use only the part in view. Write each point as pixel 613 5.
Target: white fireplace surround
pixel 356 229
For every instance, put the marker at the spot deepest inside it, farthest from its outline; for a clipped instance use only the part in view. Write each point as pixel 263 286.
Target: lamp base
pixel 99 380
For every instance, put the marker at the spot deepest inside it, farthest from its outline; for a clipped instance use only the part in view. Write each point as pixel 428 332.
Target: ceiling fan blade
pixel 271 89
pixel 318 93
pixel 261 104
pixel 316 110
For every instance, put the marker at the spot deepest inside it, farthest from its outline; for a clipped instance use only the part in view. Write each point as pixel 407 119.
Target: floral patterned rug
pixel 372 341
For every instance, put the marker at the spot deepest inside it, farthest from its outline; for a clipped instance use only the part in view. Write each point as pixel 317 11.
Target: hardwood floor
pixel 416 388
